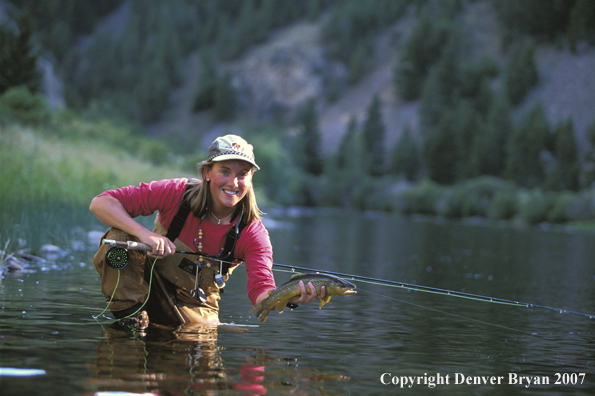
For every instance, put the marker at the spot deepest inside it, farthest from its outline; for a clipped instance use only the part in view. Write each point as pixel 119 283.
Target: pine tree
pixel 442 86
pixel 582 23
pixel 360 61
pixel 406 156
pixel 309 120
pixel 313 10
pixel 247 26
pixel 374 137
pixel 492 155
pixel 484 97
pixel 588 171
pixel 343 155
pixel 468 128
pixel 422 50
pixel 18 60
pixel 520 74
pixel 224 42
pixel 224 98
pixel 525 147
pixel 441 151
pixel 544 20
pixel 432 102
pixel 205 94
pixel 565 172
pixel 265 19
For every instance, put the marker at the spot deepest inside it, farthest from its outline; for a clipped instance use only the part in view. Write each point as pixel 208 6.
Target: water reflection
pixel 188 360
pixel 46 318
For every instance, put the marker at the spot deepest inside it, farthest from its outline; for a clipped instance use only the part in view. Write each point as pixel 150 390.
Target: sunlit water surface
pixel 364 344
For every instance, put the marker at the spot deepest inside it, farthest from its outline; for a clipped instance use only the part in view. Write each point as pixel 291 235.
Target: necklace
pixel 198 246
pixel 220 220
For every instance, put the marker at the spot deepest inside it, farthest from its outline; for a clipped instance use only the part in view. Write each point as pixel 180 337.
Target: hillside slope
pixel 566 88
pixel 274 80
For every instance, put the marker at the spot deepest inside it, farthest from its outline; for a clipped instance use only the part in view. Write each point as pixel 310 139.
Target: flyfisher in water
pixel 214 219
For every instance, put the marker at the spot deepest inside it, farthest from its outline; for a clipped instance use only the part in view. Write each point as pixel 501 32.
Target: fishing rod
pixel 115 259
pixel 131 245
pixel 434 290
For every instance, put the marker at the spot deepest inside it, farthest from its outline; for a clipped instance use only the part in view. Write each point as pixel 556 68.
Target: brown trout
pixel 334 286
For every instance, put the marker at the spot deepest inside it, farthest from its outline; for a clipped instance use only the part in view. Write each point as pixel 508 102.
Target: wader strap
pixel 180 218
pixel 233 234
pixel 230 242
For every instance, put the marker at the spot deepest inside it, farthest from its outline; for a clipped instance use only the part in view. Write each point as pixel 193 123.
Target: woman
pixel 185 287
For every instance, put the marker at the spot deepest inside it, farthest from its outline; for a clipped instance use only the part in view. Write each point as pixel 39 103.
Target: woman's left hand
pixel 307 298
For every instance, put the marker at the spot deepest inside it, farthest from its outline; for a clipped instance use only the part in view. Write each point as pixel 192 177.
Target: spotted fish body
pixel 334 286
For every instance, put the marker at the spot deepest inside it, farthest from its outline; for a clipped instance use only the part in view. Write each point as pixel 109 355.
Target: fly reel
pixel 116 257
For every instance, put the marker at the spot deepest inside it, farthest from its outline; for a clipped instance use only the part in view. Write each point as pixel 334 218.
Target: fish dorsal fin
pixel 293 277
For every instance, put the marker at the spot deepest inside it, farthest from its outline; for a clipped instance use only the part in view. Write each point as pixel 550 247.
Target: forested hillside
pixel 453 107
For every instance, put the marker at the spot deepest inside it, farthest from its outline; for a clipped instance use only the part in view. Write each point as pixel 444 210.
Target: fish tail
pixel 260 311
pixel 262 315
pixel 256 308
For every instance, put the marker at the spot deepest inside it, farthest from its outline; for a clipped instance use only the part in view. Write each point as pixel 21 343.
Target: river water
pixel 384 340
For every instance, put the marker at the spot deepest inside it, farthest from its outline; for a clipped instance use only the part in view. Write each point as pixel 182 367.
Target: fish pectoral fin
pixel 324 301
pixel 281 306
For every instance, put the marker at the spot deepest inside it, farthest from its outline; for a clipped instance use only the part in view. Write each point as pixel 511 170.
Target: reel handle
pixel 130 245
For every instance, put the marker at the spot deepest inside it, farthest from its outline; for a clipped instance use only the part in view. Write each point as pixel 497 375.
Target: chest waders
pixel 174 298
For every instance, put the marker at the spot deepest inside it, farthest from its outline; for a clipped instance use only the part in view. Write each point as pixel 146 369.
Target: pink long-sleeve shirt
pixel 165 197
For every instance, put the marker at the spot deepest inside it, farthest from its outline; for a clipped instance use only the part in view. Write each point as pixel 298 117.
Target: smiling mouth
pixel 230 193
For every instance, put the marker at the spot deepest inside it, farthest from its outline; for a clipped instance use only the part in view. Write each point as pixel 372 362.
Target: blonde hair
pixel 199 198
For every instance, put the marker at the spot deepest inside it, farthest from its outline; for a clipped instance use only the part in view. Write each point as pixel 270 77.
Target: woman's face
pixel 229 182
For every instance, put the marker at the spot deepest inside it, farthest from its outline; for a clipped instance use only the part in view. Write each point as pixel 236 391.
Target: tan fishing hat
pixel 230 147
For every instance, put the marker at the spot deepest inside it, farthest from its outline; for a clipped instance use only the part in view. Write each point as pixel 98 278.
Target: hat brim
pixel 226 157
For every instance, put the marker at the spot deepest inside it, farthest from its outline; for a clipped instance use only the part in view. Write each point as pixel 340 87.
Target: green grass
pixel 35 165
pixel 47 182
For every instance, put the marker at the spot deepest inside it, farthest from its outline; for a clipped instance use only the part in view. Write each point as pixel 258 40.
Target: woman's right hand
pixel 162 246
pixel 111 213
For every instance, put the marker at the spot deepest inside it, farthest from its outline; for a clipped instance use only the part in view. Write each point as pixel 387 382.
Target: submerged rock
pixel 52 252
pixel 10 264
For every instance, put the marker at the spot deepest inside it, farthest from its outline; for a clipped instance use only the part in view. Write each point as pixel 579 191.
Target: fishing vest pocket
pixel 180 269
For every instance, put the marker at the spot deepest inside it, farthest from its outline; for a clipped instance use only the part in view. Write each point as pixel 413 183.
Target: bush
pixel 451 203
pixel 504 205
pixel 536 205
pixel 473 197
pixel 21 105
pixel 420 199
pixel 371 194
pixel 478 194
pixel 563 209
